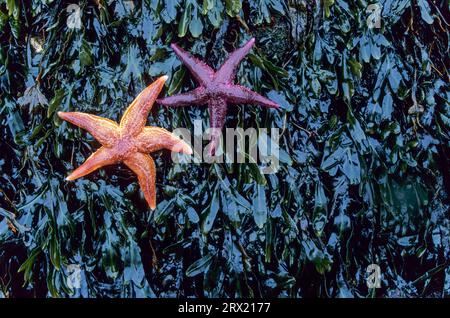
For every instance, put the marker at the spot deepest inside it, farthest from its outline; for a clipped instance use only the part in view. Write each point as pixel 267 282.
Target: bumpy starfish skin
pixel 216 89
pixel 128 142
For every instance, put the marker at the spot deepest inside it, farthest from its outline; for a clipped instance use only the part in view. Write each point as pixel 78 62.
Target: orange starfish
pixel 128 142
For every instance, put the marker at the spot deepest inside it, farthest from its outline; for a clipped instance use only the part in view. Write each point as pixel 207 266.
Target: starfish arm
pixel 238 94
pixel 202 72
pixel 217 114
pixel 135 117
pixel 155 138
pixel 144 167
pixel 194 97
pixel 102 157
pixel 227 71
pixel 104 130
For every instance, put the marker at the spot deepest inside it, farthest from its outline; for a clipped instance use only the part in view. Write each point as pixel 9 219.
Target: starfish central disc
pixel 129 142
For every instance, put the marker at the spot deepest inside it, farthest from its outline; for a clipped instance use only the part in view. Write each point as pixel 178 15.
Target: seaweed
pixel 364 164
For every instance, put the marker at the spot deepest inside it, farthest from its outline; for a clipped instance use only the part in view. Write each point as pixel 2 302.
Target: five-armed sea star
pixel 216 89
pixel 128 142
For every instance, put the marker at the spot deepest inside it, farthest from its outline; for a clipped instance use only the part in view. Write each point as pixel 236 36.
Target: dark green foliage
pixel 364 172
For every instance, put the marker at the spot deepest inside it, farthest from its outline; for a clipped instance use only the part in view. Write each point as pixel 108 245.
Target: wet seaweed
pixel 364 173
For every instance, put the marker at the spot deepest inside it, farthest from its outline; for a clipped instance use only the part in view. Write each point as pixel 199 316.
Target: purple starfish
pixel 216 89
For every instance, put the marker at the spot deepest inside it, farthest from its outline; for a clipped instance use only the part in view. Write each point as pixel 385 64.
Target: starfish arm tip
pixel 187 150
pixel 73 176
pixel 162 102
pixel 150 198
pixel 182 147
pixel 271 105
pixel 164 78
pixel 212 149
pixel 176 48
